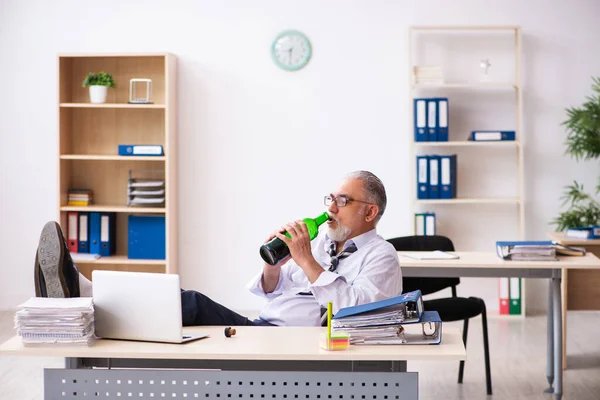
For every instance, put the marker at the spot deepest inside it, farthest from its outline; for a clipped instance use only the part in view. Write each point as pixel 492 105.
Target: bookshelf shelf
pixel 466 85
pixel 120 259
pixel 115 208
pixel 100 157
pixel 508 28
pixel 111 105
pixel 498 200
pixel 89 136
pixel 468 143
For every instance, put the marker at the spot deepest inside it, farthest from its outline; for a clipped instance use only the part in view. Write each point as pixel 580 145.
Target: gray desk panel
pixel 225 385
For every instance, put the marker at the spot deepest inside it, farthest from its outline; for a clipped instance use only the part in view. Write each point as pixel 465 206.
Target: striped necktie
pixel 335 259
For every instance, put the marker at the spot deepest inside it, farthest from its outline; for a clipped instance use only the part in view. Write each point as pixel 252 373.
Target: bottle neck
pixel 322 218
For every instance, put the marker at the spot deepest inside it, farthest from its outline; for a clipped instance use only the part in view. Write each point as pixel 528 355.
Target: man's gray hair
pixel 374 190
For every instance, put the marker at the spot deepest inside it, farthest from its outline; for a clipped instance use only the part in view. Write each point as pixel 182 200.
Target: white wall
pixel 260 146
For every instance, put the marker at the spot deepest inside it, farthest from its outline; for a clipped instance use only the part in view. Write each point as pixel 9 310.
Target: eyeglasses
pixel 340 201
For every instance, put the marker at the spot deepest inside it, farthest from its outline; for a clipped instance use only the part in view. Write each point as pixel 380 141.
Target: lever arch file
pixel 432 120
pixel 442 135
pixel 422 177
pixel 404 308
pixel 420 119
pixel 426 331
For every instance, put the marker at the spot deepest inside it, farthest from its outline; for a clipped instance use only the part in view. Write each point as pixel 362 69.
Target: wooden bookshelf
pixel 89 136
pixel 461 86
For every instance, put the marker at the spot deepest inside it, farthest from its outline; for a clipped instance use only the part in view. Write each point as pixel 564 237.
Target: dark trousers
pixel 198 309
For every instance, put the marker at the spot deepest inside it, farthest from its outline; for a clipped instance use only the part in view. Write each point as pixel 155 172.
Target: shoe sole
pixel 50 256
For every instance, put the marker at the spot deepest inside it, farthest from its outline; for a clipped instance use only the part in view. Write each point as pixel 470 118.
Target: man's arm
pixel 270 276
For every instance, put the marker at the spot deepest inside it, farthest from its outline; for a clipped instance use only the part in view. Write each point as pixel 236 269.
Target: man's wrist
pixel 312 269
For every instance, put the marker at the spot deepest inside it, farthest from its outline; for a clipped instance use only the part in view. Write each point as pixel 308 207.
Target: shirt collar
pixel 358 241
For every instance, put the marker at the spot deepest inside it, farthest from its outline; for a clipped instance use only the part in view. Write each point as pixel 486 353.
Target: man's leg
pixel 198 309
pixel 55 274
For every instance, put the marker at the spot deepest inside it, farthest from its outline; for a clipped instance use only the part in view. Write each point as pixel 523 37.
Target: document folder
pixel 420 120
pixel 72 232
pixel 448 177
pixel 432 118
pixel 422 177
pixel 84 232
pixel 434 177
pixel 94 239
pixel 426 331
pixel 108 230
pixel 404 308
pixel 442 119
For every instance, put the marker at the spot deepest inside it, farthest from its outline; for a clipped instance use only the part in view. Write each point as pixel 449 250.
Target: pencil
pixel 329 325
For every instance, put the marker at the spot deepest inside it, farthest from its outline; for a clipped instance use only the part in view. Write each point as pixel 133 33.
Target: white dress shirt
pixel 369 274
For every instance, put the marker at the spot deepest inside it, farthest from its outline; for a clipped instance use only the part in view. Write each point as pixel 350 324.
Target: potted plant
pixel 583 142
pixel 99 84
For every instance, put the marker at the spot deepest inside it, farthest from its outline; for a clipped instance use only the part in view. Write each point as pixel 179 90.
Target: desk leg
pixel 550 339
pixel 558 340
pixel 73 363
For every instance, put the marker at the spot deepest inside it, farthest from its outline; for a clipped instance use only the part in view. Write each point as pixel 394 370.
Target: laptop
pixel 138 306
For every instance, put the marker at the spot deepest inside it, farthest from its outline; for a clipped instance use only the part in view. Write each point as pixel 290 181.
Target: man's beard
pixel 342 232
pixel 339 234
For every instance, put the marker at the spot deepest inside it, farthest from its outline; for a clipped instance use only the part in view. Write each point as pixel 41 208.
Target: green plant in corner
pixel 583 143
pixel 100 79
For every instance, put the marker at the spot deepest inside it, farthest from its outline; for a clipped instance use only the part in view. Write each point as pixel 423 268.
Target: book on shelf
pixel 79 197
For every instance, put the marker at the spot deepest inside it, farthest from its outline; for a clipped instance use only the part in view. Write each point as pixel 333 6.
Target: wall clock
pixel 291 50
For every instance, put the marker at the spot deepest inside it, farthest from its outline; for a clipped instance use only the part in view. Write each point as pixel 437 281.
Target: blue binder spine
pixel 140 150
pixel 84 232
pixel 432 117
pixel 422 177
pixel 94 238
pixel 491 136
pixel 443 118
pixel 448 177
pixel 107 233
pixel 434 177
pixel 420 119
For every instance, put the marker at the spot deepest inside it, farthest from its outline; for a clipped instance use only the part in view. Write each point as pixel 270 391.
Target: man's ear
pixel 371 213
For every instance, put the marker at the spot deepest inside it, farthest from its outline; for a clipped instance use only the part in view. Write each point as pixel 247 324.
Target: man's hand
pixel 271 273
pixel 300 249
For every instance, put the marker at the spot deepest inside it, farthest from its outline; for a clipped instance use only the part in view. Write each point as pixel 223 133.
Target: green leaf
pixel 101 78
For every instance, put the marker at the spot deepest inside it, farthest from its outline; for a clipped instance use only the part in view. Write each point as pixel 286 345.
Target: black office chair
pixel 450 308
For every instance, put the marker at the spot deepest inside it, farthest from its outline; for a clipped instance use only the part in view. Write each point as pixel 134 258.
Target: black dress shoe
pixel 55 274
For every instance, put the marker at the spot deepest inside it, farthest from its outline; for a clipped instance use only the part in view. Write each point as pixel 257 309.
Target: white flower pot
pixel 98 94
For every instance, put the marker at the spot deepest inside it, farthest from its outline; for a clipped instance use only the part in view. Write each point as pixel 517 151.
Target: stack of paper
pixel 49 321
pixel 399 320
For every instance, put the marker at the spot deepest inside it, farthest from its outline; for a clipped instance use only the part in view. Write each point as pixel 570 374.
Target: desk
pixel 255 363
pixel 580 288
pixel 488 264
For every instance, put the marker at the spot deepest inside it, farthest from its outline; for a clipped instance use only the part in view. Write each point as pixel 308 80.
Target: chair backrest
pixel 425 243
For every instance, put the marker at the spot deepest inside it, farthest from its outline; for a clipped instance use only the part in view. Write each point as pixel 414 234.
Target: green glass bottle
pixel 276 249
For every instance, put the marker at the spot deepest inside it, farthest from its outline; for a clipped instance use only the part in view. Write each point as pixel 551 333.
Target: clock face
pixel 291 50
